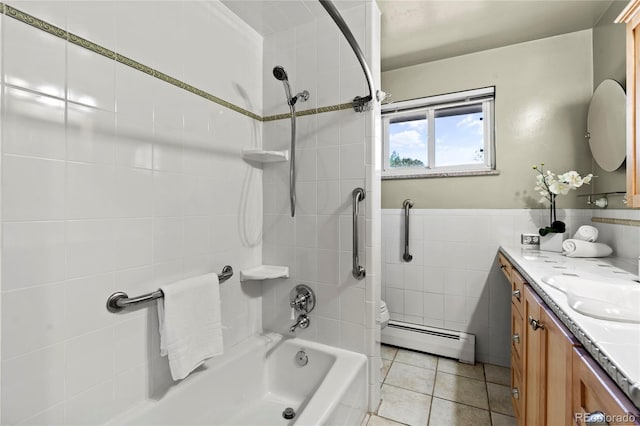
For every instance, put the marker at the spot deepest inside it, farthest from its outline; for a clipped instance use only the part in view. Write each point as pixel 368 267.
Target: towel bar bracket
pixel 120 300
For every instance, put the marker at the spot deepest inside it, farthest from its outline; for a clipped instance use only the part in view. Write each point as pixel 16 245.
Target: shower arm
pixel 359 103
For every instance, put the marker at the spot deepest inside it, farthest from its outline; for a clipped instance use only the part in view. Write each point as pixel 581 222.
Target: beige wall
pixel 609 61
pixel 543 90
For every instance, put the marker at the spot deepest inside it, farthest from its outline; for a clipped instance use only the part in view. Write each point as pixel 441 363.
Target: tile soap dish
pixel 264 272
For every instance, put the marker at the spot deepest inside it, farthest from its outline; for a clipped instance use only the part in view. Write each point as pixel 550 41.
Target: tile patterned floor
pixel 420 389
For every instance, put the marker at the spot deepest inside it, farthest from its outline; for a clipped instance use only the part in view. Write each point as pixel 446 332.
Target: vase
pixel 552 242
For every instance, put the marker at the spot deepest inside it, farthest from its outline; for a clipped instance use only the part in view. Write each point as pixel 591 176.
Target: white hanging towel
pixel 587 233
pixel 190 323
pixel 579 248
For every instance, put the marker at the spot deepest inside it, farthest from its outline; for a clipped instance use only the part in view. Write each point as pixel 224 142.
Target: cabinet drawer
pixel 517 391
pixel 594 391
pixel 517 289
pixel 517 337
pixel 505 266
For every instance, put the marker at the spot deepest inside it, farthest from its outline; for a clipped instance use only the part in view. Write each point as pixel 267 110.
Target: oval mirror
pixel 606 124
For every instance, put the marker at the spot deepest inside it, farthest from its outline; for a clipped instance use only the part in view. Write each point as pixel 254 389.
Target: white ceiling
pixel 417 31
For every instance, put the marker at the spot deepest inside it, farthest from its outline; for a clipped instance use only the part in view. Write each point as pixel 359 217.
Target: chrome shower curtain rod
pixel 359 103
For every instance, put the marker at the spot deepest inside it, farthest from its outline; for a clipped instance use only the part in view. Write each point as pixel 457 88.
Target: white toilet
pixel 383 315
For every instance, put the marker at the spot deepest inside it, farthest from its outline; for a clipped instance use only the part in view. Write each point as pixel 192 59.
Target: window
pixel 445 134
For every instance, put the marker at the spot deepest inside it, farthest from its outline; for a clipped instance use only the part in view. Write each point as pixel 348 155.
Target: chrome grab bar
pixel 358 271
pixel 120 300
pixel 406 205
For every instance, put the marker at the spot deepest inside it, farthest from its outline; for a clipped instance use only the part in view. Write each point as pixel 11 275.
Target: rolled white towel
pixel 587 233
pixel 580 248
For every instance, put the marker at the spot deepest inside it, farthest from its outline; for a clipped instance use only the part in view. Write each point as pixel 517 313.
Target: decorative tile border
pixel 627 222
pixel 100 50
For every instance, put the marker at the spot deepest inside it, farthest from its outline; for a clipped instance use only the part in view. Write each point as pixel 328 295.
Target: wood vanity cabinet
pixel 548 349
pixel 631 17
pixel 552 376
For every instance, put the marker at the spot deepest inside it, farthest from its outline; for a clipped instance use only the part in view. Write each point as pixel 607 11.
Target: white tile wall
pixel 119 182
pixel 334 158
pixel 453 281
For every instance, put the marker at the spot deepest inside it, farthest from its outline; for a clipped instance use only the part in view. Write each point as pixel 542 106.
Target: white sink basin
pixel 603 298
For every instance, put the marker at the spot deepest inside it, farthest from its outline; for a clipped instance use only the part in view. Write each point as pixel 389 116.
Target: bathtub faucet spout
pixel 303 322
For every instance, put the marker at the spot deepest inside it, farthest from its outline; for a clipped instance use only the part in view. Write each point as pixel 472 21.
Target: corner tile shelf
pixel 262 156
pixel 264 272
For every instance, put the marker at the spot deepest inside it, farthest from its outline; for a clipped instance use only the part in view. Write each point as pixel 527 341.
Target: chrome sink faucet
pixel 302 322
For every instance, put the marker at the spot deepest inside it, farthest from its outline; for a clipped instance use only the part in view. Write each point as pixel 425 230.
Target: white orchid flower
pixel 559 188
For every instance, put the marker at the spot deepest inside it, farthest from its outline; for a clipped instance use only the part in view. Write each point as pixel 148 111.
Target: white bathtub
pixel 256 380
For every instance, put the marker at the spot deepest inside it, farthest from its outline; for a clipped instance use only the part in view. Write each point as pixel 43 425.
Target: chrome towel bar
pixel 120 300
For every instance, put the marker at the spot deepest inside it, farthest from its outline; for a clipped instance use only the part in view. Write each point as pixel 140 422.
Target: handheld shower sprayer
pixel 280 74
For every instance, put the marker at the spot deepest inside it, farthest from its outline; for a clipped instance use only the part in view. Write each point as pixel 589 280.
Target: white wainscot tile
pixel 91 135
pixel 33 59
pixel 32 189
pixel 32 383
pixel 33 125
pixel 306 164
pixel 132 342
pixel 89 361
pixel 352 337
pixel 33 254
pixel 85 304
pixel 200 199
pixel 90 191
pixel 433 306
pixel 328 232
pixel 455 308
pixel 352 161
pixel 168 194
pixel 168 239
pixel 306 197
pixel 198 235
pixel 328 162
pixel 395 300
pixel 32 319
pixel 51 416
pixel 92 407
pixel 434 279
pixel 394 276
pixel 84 69
pixel 306 231
pixel 352 305
pixel 131 387
pixel 329 201
pixel 414 304
pixel 413 277
pixel 328 266
pixel 90 247
pixel 133 242
pixel 133 193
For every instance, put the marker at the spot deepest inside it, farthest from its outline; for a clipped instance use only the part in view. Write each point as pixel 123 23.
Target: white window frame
pixel 428 106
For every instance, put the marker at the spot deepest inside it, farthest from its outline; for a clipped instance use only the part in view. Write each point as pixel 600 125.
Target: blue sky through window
pixel 459 139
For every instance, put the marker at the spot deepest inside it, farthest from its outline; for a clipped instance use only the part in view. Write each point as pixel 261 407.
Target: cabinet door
pixel 631 16
pixel 558 344
pixel 594 391
pixel 533 358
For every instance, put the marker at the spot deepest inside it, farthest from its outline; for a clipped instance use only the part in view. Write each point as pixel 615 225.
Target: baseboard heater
pixel 437 341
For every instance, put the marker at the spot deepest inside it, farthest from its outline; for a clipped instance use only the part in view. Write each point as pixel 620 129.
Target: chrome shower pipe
pixel 359 103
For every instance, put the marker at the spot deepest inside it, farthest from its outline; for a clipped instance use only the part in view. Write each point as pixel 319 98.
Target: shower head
pixel 279 73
